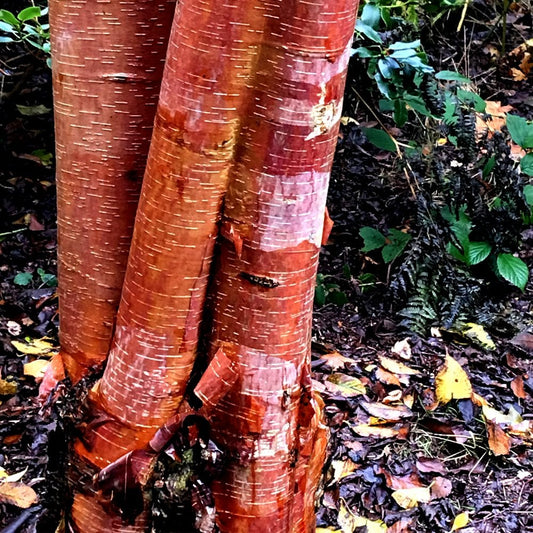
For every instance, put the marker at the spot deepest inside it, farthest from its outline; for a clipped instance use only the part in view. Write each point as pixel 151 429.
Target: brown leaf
pixel 386 412
pixel 428 464
pixel 440 488
pixel 35 225
pixel 499 441
pixel 335 360
pixel 12 439
pixel 403 525
pixel 387 377
pixel 524 340
pixel 517 386
pixel 408 481
pixel 18 494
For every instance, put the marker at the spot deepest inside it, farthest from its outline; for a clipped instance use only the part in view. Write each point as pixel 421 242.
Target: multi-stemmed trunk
pixel 231 213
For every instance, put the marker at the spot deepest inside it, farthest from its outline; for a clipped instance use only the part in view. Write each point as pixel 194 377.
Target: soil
pixel 443 447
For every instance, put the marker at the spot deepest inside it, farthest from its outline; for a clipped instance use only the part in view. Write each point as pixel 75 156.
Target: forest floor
pixel 398 460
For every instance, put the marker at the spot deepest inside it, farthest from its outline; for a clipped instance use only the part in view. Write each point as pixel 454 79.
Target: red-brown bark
pixel 264 287
pixel 107 68
pixel 241 151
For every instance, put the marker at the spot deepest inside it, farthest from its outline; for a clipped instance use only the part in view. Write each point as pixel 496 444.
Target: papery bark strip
pixel 107 67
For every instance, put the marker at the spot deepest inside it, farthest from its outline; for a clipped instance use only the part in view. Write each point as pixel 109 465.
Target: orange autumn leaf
pixel 335 360
pixel 17 494
pixel 497 120
pixel 517 386
pixel 499 441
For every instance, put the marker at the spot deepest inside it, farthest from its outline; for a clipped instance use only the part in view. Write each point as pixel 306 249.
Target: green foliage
pixel 26 28
pixel 328 292
pixel 24 279
pixel 391 246
pixel 49 280
pixel 470 199
pixel 521 131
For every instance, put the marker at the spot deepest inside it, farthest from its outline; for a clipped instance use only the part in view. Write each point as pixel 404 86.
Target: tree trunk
pixel 241 152
pixel 108 61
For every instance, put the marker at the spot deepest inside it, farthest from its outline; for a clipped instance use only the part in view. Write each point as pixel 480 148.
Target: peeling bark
pixel 241 152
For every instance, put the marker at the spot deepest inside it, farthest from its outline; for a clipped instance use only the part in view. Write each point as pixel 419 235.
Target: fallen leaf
pixel 342 469
pixel 402 349
pixel 335 360
pixel 498 116
pixel 7 388
pixel 428 464
pixel 524 340
pixel 402 526
pixel 18 494
pixel 14 328
pixel 386 412
pixel 477 333
pixel 345 385
pixel 349 521
pixel 451 382
pixel 33 347
pixel 12 439
pixel 327 530
pixel 512 417
pixel 387 377
pixel 408 481
pixel 460 521
pixel 394 396
pixel 5 477
pixel 409 498
pixel 380 432
pixel 396 367
pixel 36 368
pixel 34 224
pixel 479 400
pixel 499 441
pixel 440 488
pixel 517 386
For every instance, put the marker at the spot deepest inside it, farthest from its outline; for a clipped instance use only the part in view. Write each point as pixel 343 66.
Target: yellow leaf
pixel 342 469
pixel 460 521
pixel 409 498
pixel 380 432
pixel 396 367
pixel 478 334
pixel 7 388
pixel 4 476
pixel 349 521
pixel 327 530
pixel 372 526
pixel 345 385
pixel 36 368
pixel 452 382
pixel 33 347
